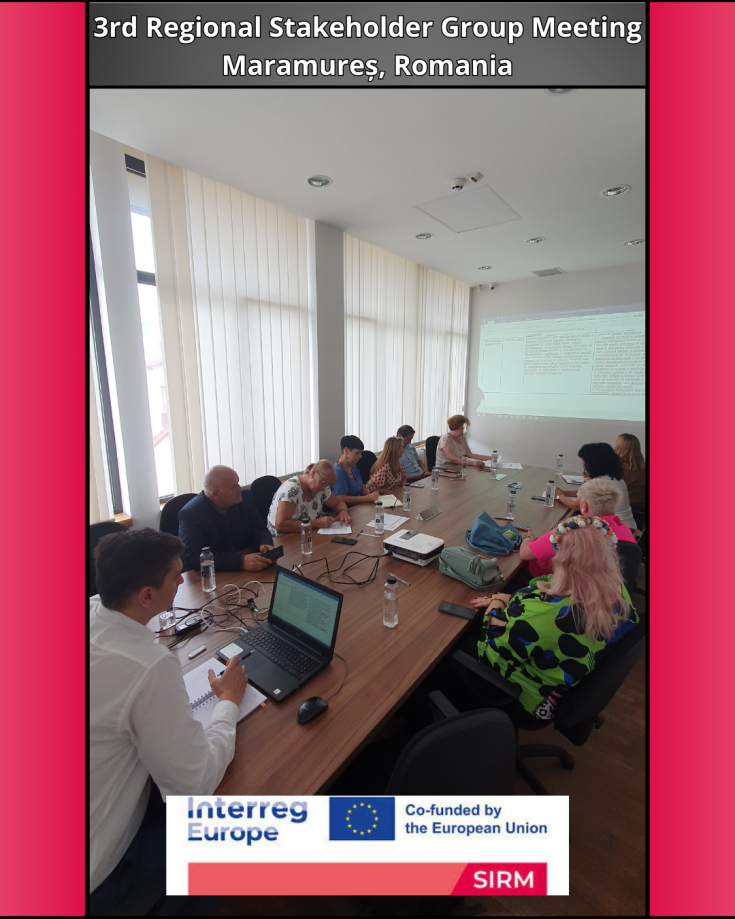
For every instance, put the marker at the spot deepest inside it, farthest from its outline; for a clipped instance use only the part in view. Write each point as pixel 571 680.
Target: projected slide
pixel 580 364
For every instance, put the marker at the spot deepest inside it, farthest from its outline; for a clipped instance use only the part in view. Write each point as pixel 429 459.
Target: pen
pixel 245 654
pixel 390 573
pixel 357 534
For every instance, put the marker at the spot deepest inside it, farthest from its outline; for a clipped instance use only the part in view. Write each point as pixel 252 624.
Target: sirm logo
pixel 519 879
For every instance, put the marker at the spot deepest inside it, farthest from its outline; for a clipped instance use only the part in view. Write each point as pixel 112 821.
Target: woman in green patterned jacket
pixel 548 636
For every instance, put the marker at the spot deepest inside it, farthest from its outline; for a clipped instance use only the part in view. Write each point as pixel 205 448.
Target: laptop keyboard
pixel 281 652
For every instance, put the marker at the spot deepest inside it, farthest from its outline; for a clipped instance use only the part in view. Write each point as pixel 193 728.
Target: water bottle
pixel 206 566
pixel 560 464
pixel 511 512
pixel 305 535
pixel 406 497
pixel 379 518
pixel 494 460
pixel 435 479
pixel 390 603
pixel 464 465
pixel 550 489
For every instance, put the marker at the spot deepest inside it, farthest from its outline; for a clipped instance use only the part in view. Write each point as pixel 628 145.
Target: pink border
pixel 692 358
pixel 42 369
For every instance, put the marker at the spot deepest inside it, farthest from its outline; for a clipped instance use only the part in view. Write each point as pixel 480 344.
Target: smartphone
pixel 273 554
pixel 344 540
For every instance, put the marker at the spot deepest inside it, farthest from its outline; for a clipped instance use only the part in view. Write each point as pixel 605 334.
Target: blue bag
pixel 490 538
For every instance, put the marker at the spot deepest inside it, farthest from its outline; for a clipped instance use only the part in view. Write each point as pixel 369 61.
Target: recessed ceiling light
pixel 634 242
pixel 484 267
pixel 536 239
pixel 319 181
pixel 558 90
pixel 424 235
pixel 615 190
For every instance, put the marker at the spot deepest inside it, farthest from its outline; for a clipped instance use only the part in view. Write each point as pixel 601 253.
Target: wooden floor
pixel 607 831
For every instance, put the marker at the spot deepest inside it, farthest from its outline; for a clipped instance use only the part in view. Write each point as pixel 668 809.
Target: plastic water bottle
pixel 560 464
pixel 435 479
pixel 379 518
pixel 494 460
pixel 464 465
pixel 511 512
pixel 305 535
pixel 550 493
pixel 206 566
pixel 406 497
pixel 390 603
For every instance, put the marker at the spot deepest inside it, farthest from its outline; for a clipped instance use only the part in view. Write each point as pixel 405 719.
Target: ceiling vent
pixel 547 271
pixel 472 209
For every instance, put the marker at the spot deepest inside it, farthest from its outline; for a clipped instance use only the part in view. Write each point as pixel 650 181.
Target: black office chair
pixel 262 490
pixel 630 555
pixel 170 513
pixel 431 443
pixel 96 532
pixel 579 711
pixel 365 464
pixel 463 753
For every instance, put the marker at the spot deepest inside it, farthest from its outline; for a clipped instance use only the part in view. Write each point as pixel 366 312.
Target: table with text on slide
pixel 274 754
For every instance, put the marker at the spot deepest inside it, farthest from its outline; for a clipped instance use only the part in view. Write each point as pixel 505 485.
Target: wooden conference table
pixel 276 755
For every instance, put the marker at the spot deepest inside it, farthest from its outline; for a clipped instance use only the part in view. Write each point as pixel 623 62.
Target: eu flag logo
pixel 362 818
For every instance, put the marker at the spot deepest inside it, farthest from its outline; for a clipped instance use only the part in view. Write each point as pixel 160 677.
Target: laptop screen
pixel 302 605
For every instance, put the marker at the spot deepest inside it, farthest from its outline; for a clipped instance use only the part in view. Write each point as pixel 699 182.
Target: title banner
pixel 367 44
pixel 360 846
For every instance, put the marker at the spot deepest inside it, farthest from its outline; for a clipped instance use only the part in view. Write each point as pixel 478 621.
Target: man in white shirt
pixel 140 721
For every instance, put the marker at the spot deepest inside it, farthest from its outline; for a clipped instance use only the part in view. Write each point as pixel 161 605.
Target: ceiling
pixel 546 156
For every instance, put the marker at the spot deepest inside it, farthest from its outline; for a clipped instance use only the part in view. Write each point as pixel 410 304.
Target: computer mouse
pixel 311 709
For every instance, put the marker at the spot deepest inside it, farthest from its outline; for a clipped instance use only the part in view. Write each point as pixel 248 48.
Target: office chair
pixel 365 464
pixel 96 532
pixel 431 443
pixel 262 490
pixel 169 522
pixel 579 711
pixel 630 555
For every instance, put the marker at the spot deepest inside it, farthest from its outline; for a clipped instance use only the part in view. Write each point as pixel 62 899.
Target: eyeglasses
pixel 320 478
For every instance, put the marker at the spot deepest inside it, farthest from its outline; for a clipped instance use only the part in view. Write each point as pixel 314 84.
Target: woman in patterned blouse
pixel 387 474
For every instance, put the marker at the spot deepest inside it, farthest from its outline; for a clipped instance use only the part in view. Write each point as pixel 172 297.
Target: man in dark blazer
pixel 224 518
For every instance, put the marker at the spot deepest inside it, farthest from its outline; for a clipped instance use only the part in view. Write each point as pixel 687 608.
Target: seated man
pixel 410 461
pixel 140 721
pixel 224 518
pixel 597 498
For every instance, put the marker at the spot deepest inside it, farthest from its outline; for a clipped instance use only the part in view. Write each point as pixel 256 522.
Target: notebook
pixel 390 501
pixel 203 700
pixel 297 640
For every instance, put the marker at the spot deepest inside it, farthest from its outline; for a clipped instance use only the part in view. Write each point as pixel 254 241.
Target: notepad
pixel 509 466
pixel 336 529
pixel 390 501
pixel 573 479
pixel 203 700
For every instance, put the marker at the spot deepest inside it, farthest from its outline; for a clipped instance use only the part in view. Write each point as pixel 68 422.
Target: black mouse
pixel 310 709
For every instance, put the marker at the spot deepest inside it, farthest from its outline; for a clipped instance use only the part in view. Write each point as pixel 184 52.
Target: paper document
pixel 509 466
pixel 390 501
pixel 203 700
pixel 390 522
pixel 498 476
pixel 573 479
pixel 336 529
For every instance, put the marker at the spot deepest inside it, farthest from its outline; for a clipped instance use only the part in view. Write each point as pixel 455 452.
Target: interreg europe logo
pixel 362 818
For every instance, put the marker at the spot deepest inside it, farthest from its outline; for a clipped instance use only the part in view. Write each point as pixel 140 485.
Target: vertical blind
pixel 406 330
pixel 233 278
pixel 100 501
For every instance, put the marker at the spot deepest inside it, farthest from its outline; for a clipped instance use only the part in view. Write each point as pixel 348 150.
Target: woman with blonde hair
pixel 548 636
pixel 387 474
pixel 453 446
pixel 306 494
pixel 628 448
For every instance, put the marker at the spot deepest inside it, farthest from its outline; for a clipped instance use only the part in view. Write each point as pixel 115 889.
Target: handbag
pixel 489 537
pixel 465 566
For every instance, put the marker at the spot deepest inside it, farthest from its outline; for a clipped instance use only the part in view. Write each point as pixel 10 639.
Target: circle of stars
pixel 366 813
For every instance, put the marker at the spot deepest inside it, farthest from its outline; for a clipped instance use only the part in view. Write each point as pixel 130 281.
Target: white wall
pixel 536 443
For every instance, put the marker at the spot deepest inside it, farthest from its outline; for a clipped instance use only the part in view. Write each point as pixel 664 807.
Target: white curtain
pixel 100 499
pixel 406 330
pixel 233 278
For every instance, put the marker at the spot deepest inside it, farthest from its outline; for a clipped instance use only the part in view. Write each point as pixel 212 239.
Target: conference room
pixel 272 270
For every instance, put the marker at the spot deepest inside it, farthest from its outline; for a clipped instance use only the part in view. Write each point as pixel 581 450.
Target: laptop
pixel 297 640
